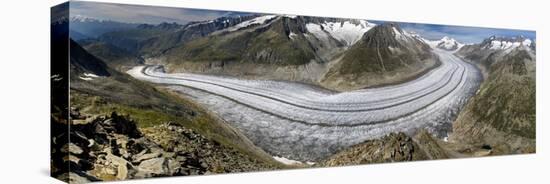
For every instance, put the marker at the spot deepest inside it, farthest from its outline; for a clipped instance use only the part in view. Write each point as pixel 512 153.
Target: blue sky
pixel 463 34
pixel 142 14
pixel 156 15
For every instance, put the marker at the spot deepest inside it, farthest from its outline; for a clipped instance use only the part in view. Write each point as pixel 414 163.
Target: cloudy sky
pixel 141 14
pixel 156 15
pixel 463 34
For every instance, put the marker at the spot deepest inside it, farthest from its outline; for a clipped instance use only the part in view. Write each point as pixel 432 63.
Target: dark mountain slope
pixel 131 39
pixel 158 44
pixel 384 55
pixel 115 57
pixel 265 43
pixel 82 62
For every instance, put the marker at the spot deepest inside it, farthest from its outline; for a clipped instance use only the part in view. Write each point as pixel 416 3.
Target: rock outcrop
pixel 104 148
pixel 394 147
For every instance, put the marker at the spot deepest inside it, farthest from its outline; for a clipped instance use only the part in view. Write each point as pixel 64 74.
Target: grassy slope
pixel 502 114
pixel 150 106
pixel 264 45
pixel 118 58
pixel 370 63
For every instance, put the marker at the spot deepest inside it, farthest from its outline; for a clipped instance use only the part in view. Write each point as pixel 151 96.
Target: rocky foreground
pixel 394 147
pixel 104 148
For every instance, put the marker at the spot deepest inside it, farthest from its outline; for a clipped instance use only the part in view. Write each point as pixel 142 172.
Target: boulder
pixel 157 166
pixel 146 156
pixel 72 148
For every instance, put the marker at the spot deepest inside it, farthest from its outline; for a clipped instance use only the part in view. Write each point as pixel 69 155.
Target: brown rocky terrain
pixel 501 116
pixel 105 148
pixel 394 147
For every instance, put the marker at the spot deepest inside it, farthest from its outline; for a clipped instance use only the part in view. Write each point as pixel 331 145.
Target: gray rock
pixel 147 156
pixel 122 166
pixel 72 148
pixel 157 166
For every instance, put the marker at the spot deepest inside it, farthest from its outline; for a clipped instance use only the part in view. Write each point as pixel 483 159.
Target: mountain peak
pixel 506 43
pixel 448 43
pixel 346 31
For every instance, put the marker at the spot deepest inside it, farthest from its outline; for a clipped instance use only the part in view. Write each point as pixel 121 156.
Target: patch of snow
pixel 291 35
pixel 290 16
pixel 527 42
pixel 86 78
pixel 254 21
pixel 402 35
pixel 397 33
pixel 347 32
pixel 317 31
pixel 287 161
pixel 507 45
pixel 445 43
pixel 90 75
pixel 82 18
pixel 393 50
pixel 56 77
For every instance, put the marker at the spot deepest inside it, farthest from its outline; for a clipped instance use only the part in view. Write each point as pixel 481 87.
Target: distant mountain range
pixel 85 27
pixel 331 52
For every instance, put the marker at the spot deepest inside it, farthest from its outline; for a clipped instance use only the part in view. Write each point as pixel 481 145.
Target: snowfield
pixel 347 32
pixel 305 123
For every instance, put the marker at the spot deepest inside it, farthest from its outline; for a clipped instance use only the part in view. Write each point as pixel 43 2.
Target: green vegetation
pixel 150 106
pixel 507 100
pixel 263 45
pixel 118 58
pixel 503 113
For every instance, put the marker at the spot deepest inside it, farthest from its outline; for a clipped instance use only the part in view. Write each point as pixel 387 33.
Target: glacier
pixel 307 123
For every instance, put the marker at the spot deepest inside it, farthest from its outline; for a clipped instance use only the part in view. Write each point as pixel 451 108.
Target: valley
pixel 240 92
pixel 313 123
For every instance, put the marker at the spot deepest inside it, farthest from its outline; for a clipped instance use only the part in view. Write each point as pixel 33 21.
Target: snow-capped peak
pixel 347 32
pixel 507 44
pixel 82 18
pixel 255 21
pixel 446 43
pixel 449 43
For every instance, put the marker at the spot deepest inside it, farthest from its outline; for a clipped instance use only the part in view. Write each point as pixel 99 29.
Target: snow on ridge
pixel 346 32
pixel 290 16
pixel 287 161
pixel 446 43
pixel 254 21
pixel 88 76
pixel 449 43
pixel 506 45
pixel 401 34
